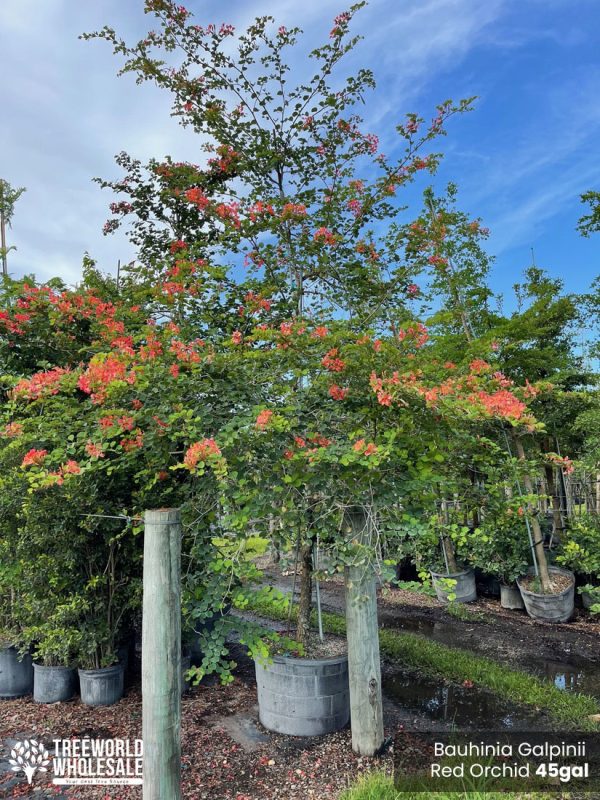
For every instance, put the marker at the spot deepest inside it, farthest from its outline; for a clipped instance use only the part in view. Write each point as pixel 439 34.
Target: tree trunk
pixel 553 492
pixel 161 655
pixel 538 539
pixel 447 542
pixel 364 666
pixel 305 601
pixel 3 247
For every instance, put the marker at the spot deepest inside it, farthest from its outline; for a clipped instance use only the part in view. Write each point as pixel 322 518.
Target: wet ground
pixel 567 654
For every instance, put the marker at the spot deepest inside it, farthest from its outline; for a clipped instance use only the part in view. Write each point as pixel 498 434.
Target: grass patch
pixel 379 786
pixel 465 614
pixel 438 660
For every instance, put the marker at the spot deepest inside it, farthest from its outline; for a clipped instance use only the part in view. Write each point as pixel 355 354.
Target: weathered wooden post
pixel 161 655
pixel 364 667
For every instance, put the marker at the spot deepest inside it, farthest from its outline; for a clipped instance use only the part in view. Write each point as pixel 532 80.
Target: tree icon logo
pixel 29 757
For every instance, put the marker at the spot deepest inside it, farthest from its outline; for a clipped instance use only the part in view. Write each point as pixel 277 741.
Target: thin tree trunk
pixel 447 543
pixel 305 601
pixel 3 244
pixel 538 539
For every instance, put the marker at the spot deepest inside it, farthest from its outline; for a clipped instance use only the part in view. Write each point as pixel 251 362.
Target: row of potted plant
pixel 502 550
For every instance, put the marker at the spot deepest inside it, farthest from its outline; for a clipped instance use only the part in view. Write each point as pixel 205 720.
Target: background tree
pixel 8 198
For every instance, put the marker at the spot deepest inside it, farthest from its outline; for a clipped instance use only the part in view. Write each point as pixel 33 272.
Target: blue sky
pixel 521 159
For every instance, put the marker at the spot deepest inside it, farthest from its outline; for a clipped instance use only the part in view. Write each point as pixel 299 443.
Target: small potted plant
pixel 54 653
pixel 580 552
pixel 452 581
pixel 499 547
pixel 101 674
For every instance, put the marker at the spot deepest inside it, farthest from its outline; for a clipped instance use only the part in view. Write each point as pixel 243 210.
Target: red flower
pixel 320 332
pixel 360 446
pixel 263 419
pixel 12 430
pixel 134 443
pixel 34 457
pixel 197 196
pixel 41 384
pixel 325 236
pixel 331 361
pixel 71 468
pixel 237 337
pixel 384 398
pixel 100 374
pixel 337 393
pixel 94 450
pixel 200 451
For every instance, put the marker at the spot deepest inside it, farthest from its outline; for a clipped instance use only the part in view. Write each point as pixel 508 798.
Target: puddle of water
pixel 573 676
pixel 463 707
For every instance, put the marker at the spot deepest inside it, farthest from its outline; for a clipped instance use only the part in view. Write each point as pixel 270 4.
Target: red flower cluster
pixel 100 374
pixel 34 457
pixel 502 403
pixel 94 450
pixel 415 334
pixel 134 442
pixel 361 446
pixel 331 361
pixel 12 430
pixel 324 236
pixel 337 392
pixel 41 384
pixel 263 419
pixel 197 196
pixel 201 451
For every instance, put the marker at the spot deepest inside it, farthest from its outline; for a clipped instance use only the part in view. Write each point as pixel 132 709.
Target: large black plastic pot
pixel 550 607
pixel 16 674
pixel 53 684
pixel 303 696
pixel 464 588
pixel 101 687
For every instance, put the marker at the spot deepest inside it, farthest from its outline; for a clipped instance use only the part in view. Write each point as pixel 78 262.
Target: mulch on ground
pixel 226 755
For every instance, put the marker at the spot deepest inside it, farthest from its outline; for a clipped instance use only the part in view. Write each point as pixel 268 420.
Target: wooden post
pixel 364 666
pixel 161 655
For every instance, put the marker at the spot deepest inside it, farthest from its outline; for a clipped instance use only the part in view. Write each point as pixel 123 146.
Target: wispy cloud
pixel 67 114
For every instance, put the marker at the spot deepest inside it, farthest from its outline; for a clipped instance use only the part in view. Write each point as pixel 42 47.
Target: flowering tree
pixel 313 186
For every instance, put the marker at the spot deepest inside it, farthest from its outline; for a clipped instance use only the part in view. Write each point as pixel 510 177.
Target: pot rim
pixel 279 659
pixel 465 571
pixel 92 673
pixel 560 571
pixel 59 667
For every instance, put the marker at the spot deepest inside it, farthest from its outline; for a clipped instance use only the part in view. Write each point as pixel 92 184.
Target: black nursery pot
pixel 53 684
pixel 102 687
pixel 16 674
